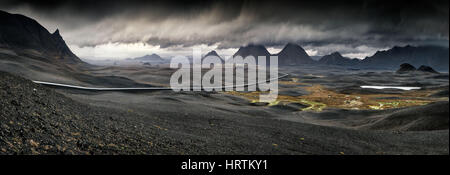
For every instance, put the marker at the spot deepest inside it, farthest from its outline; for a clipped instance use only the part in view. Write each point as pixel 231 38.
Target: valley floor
pixel 39 120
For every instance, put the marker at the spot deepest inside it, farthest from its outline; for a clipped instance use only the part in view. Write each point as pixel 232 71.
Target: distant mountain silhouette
pixel 252 50
pixel 19 33
pixel 293 54
pixel 406 68
pixel 427 69
pixel 213 53
pixel 337 59
pixel 433 56
pixel 153 58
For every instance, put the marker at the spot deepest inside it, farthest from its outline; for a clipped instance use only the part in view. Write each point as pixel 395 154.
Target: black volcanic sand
pixel 420 118
pixel 38 120
pixel 46 121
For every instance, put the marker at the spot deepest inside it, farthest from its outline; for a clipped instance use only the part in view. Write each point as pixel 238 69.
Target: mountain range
pixel 293 54
pixel 153 58
pixel 26 36
pixel 337 59
pixel 433 56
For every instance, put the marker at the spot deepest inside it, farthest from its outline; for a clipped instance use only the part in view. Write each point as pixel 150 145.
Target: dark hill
pixel 427 69
pixel 337 59
pixel 433 56
pixel 153 58
pixel 293 54
pixel 405 68
pixel 408 68
pixel 213 54
pixel 18 32
pixel 252 50
pixel 420 118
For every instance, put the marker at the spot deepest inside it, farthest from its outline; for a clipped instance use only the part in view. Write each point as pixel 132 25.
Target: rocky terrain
pixel 19 33
pixel 38 120
pixel 321 109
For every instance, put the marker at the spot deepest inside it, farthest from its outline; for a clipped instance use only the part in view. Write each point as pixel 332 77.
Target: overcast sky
pixel 120 29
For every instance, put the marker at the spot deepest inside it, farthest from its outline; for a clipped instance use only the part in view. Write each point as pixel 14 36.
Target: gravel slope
pixel 37 120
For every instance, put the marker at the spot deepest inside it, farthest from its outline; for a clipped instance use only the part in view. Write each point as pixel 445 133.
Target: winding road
pixel 140 88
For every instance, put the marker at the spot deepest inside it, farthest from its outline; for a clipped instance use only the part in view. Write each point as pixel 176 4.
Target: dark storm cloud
pixel 371 23
pixel 98 9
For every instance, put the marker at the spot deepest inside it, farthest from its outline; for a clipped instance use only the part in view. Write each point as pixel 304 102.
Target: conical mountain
pixel 293 54
pixel 213 53
pixel 427 69
pixel 153 58
pixel 252 50
pixel 405 68
pixel 255 51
